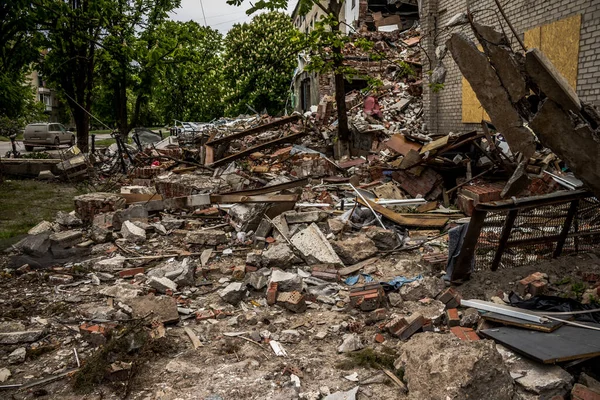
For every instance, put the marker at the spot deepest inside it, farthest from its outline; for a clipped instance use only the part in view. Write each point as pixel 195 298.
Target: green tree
pixel 190 82
pixel 328 36
pixel 73 32
pixel 135 48
pixel 18 50
pixel 260 58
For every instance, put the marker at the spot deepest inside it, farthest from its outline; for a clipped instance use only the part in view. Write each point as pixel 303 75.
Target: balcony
pixel 43 90
pixel 48 108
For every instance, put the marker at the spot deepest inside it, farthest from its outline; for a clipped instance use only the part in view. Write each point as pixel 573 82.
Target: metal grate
pixel 536 232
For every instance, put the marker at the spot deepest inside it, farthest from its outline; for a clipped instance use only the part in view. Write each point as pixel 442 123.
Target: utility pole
pixel 204 15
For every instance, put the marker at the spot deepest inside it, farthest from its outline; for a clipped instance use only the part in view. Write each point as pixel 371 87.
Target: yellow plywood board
pixel 472 111
pixel 559 41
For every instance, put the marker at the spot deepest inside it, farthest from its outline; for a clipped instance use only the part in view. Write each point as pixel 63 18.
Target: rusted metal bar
pixel 566 227
pixel 462 268
pixel 535 201
pixel 258 129
pixel 508 225
pixel 271 189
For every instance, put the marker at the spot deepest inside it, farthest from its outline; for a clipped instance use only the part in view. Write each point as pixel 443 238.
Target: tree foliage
pixel 259 59
pixel 18 41
pixel 190 83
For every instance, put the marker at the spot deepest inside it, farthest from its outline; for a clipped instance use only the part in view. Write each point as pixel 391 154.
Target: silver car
pixel 48 135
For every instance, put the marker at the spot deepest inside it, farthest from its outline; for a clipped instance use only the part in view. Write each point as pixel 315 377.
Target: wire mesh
pixel 536 232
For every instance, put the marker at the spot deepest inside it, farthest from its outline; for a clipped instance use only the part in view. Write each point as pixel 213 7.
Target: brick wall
pixel 443 110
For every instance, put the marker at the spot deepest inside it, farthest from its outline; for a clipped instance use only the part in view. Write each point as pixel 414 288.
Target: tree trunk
pixel 82 124
pixel 340 91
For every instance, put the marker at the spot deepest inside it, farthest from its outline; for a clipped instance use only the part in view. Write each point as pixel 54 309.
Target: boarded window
pixel 559 41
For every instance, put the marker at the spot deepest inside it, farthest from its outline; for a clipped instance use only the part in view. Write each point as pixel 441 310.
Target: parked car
pixel 49 135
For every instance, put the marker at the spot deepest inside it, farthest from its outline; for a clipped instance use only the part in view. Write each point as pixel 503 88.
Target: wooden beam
pixel 238 198
pixel 271 189
pixel 410 220
pixel 131 198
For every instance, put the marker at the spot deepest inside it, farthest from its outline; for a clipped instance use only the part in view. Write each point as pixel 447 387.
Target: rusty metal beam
pixel 250 150
pixel 534 201
pixel 257 129
pixel 462 268
pixel 508 225
pixel 566 227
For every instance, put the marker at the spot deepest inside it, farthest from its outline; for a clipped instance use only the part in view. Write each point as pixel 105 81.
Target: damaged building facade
pixel 356 15
pixel 567 32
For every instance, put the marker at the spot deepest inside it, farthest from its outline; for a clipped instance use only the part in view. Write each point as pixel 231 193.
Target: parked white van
pixel 49 135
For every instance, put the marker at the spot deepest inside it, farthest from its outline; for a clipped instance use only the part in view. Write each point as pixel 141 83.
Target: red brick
pixel 404 328
pixel 483 192
pixel 450 297
pixel 127 273
pixel 272 293
pixel 379 338
pixel 465 334
pixel 453 318
pixel 581 392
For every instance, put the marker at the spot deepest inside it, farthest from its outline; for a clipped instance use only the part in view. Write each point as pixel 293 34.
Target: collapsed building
pixel 408 267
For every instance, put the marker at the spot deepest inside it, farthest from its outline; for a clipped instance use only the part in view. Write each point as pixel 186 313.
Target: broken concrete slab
pixel 180 272
pixel 210 237
pixel 490 92
pixel 133 233
pixel 233 293
pixel 384 239
pixel 286 281
pixel 551 82
pixel 4 374
pixel 571 139
pixel 279 255
pixel 35 245
pixel 441 366
pixel 110 264
pixel 502 58
pixel 351 342
pixel 15 337
pixel 314 246
pixel 354 249
pixel 305 217
pixel 257 280
pixel 545 381
pixel 17 356
pixel 42 227
pixel 246 217
pixel 66 239
pixel 162 285
pixel 162 308
pixel 69 220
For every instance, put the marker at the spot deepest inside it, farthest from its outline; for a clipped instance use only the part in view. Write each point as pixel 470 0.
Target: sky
pixel 219 14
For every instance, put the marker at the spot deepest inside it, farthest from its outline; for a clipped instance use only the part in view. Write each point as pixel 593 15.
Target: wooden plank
pixel 266 145
pixel 434 145
pixel 139 197
pixel 237 198
pixel 410 220
pixel 252 131
pixel 271 189
pixel 550 326
pixel 195 341
pixel 564 344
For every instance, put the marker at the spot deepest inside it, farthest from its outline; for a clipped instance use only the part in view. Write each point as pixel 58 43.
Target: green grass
pixel 25 203
pixel 6 139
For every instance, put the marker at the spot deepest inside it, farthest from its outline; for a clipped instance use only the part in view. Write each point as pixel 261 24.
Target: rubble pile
pixel 288 265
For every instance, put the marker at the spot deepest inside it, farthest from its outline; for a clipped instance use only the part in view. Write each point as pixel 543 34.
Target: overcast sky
pixel 219 14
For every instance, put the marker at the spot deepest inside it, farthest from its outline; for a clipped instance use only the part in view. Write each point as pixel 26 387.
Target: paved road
pixel 6 146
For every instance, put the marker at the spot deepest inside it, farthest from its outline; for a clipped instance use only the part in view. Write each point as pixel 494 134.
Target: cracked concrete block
pixel 314 246
pixel 133 233
pixel 490 92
